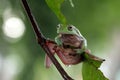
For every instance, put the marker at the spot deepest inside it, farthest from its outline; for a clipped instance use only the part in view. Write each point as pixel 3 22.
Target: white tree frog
pixel 70 45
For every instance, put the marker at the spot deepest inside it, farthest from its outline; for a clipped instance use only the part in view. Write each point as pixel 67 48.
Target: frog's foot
pixel 91 56
pixel 88 51
pixel 47 62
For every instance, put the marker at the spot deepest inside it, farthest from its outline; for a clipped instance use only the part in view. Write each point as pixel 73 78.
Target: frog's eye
pixel 69 28
pixel 58 26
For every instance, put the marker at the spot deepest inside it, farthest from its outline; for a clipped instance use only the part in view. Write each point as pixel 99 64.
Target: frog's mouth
pixel 68 34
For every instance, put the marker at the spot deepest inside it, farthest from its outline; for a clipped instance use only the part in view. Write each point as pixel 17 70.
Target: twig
pixel 42 41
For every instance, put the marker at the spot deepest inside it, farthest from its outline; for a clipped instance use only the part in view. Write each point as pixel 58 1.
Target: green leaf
pixel 90 67
pixel 71 3
pixel 55 5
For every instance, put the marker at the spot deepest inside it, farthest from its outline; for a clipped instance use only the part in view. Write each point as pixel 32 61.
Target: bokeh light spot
pixel 13 27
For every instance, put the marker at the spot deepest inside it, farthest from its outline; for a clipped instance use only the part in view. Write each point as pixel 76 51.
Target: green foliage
pixel 55 5
pixel 97 20
pixel 90 69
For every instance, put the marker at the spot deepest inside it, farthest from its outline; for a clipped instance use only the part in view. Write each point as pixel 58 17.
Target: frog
pixel 70 44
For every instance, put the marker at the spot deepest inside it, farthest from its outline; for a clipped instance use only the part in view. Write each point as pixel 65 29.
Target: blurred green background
pixel 21 58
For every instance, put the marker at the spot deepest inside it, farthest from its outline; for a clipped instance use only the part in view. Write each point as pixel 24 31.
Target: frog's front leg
pixel 58 40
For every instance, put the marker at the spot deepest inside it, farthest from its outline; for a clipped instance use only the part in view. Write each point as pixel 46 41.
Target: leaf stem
pixel 42 41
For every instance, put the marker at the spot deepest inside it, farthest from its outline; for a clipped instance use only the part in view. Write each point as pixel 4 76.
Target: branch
pixel 42 41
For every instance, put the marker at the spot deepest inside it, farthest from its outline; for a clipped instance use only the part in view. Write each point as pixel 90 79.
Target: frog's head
pixel 68 29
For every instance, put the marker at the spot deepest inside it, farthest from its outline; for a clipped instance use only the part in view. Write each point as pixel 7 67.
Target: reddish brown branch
pixel 42 41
